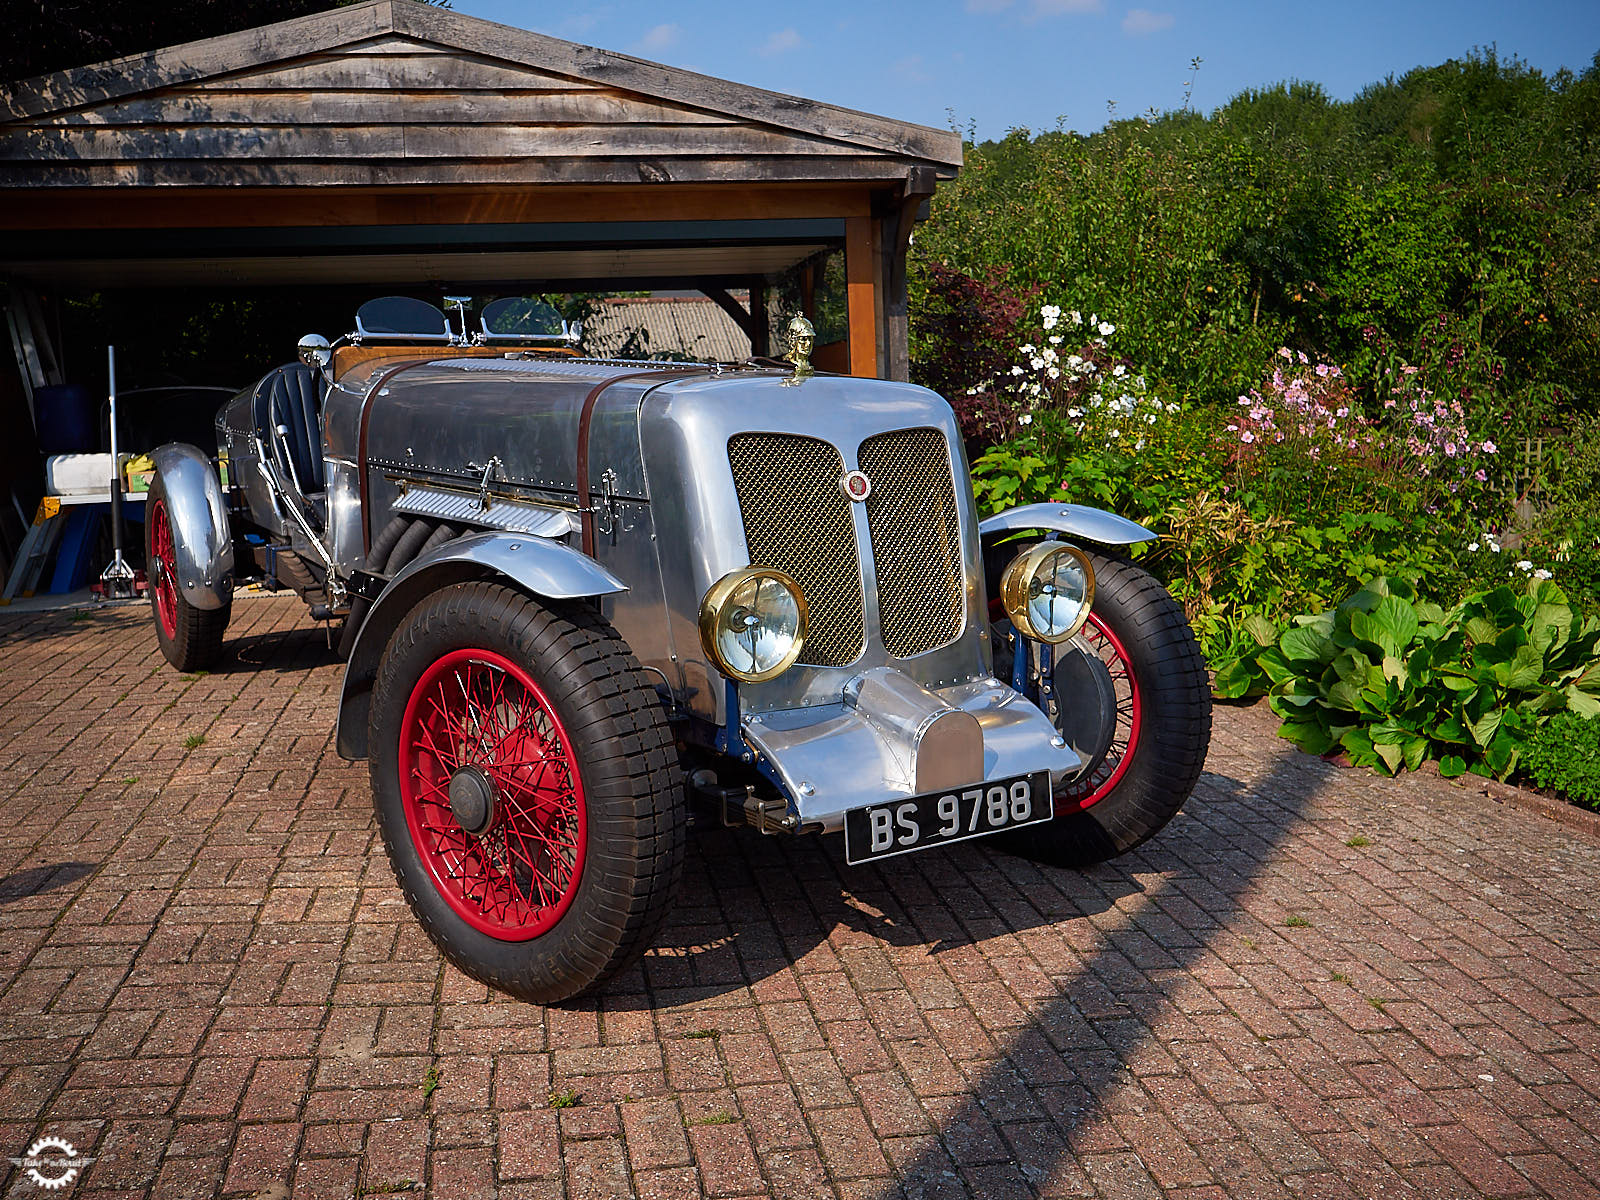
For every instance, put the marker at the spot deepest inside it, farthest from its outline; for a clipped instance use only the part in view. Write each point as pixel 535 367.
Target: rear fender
pixel 202 546
pixel 544 569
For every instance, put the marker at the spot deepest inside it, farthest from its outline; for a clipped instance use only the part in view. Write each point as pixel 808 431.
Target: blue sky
pixel 1005 63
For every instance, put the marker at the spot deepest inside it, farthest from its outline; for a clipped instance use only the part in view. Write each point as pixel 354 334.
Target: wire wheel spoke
pixel 479 712
pixel 1100 641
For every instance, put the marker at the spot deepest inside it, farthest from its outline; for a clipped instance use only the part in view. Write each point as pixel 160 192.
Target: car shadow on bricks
pixel 1089 962
pixel 286 651
pixel 1067 981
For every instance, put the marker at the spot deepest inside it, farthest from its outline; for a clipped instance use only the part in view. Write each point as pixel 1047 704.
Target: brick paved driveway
pixel 1314 983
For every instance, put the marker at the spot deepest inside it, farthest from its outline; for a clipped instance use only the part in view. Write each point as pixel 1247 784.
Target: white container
pixel 78 474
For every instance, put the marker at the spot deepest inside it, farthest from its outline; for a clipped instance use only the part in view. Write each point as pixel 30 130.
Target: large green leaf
pixel 1310 736
pixel 1308 644
pixel 1483 729
pixel 1581 702
pixel 1262 631
pixel 1523 671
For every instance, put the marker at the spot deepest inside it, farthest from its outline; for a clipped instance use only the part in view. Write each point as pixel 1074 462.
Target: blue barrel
pixel 66 419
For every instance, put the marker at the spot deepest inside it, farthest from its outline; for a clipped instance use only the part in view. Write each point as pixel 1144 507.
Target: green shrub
pixel 1394 680
pixel 1564 755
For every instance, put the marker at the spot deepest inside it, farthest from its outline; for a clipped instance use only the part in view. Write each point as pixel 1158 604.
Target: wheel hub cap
pixel 472 799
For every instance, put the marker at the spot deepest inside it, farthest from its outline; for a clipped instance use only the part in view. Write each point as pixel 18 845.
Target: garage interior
pixel 202 206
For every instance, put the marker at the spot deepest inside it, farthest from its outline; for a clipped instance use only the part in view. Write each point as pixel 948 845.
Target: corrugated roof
pixel 688 327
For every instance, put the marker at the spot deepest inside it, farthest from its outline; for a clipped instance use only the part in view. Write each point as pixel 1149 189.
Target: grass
pixel 130 780
pixel 565 1098
pixel 1298 922
pixel 721 1117
pixel 194 741
pixel 386 1187
pixel 701 1033
pixel 1336 977
pixel 1359 841
pixel 1377 1002
pixel 430 1081
pixel 83 614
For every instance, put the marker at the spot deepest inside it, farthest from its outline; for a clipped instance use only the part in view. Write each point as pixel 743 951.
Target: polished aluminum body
pixel 692 473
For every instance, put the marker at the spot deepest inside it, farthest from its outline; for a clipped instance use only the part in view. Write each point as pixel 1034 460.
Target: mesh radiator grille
pixel 797 519
pixel 916 540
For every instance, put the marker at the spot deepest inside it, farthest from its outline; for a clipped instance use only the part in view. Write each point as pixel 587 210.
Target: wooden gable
pixel 396 92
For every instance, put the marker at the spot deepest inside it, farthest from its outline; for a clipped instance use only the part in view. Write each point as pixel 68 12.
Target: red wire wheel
pixel 526 784
pixel 1098 638
pixel 163 585
pixel 492 794
pixel 1139 710
pixel 190 638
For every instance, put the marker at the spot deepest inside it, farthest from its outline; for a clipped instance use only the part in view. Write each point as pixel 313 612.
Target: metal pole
pixel 118 578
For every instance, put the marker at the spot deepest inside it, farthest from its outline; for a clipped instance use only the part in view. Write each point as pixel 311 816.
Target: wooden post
pixel 760 327
pixel 864 297
pixel 898 223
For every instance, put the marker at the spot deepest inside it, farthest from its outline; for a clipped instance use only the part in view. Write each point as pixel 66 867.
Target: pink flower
pixel 1489 448
pixel 1480 475
pixel 1247 436
pixel 1284 352
pixel 1322 370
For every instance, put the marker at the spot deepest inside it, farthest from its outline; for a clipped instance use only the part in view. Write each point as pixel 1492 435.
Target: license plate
pixel 884 830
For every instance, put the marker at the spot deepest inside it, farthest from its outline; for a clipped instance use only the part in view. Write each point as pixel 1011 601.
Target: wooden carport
pixel 393 143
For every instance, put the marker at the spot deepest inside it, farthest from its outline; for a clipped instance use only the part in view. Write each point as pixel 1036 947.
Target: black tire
pixel 1129 801
pixel 618 795
pixel 190 637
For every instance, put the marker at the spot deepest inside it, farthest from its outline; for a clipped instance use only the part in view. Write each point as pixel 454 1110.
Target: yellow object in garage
pixel 138 472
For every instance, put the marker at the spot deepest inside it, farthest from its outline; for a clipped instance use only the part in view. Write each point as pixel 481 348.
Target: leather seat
pixel 292 397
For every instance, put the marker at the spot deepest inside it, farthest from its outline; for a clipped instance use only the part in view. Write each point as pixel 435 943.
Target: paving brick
pixel 235 997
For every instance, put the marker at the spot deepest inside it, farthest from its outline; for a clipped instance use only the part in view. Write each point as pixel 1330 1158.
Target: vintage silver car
pixel 577 595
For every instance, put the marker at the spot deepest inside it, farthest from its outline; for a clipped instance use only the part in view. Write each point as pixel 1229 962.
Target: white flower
pixel 1074 361
pixel 1139 445
pixel 1036 363
pixel 1116 433
pixel 1054 372
pixel 1119 370
pixel 1541 573
pixel 1472 546
pixel 1075 317
pixel 1106 328
pixel 1524 565
pixel 1025 419
pixel 1074 412
pixel 1172 408
pixel 1028 349
pixel 1055 339
pixel 1149 419
pixel 1016 370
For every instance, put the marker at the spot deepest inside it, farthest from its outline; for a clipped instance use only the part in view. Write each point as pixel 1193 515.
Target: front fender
pixel 543 568
pixel 1090 524
pixel 202 545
